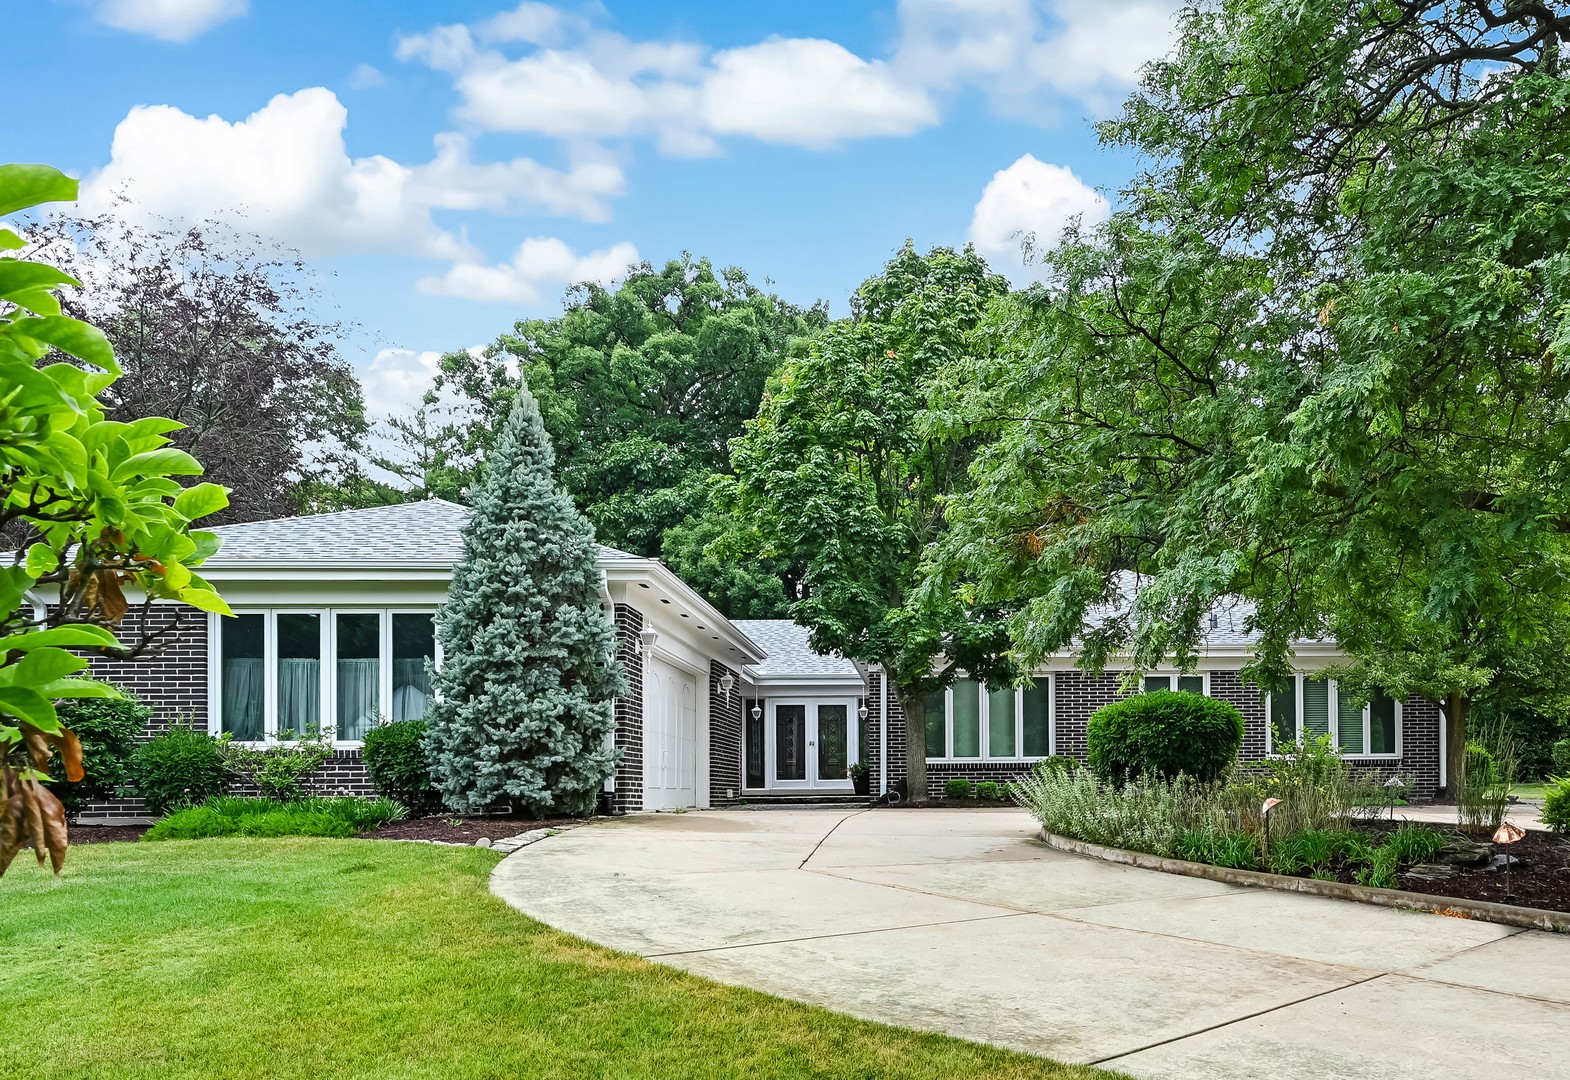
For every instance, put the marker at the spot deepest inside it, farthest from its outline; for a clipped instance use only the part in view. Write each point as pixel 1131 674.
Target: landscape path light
pixel 1508 833
pixel 1264 812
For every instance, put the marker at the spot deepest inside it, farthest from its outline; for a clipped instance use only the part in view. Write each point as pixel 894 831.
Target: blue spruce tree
pixel 524 697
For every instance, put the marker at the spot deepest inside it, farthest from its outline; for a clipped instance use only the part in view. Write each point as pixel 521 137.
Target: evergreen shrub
pixel 1166 734
pixel 107 728
pixel 178 768
pixel 394 756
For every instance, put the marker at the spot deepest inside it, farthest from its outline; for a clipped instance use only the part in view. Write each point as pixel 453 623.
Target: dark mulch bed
pixel 455 830
pixel 1541 879
pixel 105 834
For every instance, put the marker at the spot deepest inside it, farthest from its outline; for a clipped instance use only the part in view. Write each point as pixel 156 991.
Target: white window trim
pixel 986 726
pixel 1334 722
pixel 1173 676
pixel 329 687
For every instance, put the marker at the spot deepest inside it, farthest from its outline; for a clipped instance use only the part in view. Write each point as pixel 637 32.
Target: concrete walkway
pixel 957 921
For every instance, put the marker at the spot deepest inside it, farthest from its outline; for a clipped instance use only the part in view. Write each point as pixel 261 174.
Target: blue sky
pixel 450 167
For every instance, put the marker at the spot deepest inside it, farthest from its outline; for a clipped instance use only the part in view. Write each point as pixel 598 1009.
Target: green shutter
pixel 1316 708
pixel 967 719
pixel 1349 726
pixel 1037 730
pixel 1000 724
pixel 1382 725
pixel 936 723
pixel 1283 718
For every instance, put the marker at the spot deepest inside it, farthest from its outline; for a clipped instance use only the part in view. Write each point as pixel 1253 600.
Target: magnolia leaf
pixel 165 461
pixel 70 636
pixel 28 706
pixel 22 186
pixel 201 500
pixel 41 560
pixel 45 665
pixel 204 600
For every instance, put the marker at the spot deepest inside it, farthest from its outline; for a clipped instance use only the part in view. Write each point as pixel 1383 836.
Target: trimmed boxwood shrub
pixel 395 758
pixel 1164 733
pixel 179 768
pixel 957 789
pixel 107 728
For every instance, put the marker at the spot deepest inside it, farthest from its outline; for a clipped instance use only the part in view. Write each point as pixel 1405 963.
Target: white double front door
pixel 810 743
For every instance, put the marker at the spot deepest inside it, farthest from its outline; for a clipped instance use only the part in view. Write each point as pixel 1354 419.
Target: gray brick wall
pixel 1076 695
pixel 629 712
pixel 724 736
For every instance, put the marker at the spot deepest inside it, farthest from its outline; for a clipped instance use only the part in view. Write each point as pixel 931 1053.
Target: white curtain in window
pixel 411 689
pixel 242 698
pixel 299 695
pixel 359 693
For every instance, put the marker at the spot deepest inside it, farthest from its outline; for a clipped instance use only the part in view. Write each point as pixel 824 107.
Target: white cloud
pixel 1030 202
pixel 283 172
pixel 171 20
pixel 366 77
pixel 540 263
pixel 809 92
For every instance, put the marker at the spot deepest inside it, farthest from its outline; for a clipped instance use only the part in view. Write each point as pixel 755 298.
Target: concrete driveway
pixel 957 921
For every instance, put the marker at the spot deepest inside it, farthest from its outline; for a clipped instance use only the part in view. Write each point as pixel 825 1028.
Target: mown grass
pixel 349 958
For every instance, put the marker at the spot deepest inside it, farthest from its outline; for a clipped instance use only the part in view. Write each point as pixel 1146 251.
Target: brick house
pixel 333 627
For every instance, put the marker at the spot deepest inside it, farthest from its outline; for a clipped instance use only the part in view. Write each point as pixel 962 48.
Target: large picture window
pixel 281 673
pixel 1311 708
pixel 969 722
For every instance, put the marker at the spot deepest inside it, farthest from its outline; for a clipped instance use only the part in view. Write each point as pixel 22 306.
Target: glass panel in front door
pixel 833 742
pixel 790 742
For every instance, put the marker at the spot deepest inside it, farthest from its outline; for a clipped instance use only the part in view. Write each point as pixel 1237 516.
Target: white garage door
pixel 670 736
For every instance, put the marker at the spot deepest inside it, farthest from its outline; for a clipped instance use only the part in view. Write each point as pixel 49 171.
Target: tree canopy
pixel 1316 359
pixel 840 474
pixel 90 509
pixel 217 332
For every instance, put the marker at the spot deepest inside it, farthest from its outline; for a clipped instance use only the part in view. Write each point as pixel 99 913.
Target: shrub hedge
pixel 1166 734
pixel 107 728
pixel 395 758
pixel 179 768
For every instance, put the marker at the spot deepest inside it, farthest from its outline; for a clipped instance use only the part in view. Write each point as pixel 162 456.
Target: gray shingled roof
pixel 789 653
pixel 418 533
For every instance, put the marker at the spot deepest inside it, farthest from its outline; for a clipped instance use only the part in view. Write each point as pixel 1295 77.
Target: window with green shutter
pixel 1037 709
pixel 937 724
pixel 967 718
pixel 1316 708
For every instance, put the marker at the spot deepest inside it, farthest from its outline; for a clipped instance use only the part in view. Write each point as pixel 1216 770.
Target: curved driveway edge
pixel 959 921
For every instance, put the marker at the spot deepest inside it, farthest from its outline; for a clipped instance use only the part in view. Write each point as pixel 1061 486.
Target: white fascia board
pixel 650 587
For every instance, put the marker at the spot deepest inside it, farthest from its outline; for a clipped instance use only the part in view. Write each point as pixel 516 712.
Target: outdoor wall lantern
pixel 727 684
pixel 646 640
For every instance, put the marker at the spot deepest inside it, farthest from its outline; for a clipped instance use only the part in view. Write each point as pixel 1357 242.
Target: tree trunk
pixel 914 705
pixel 1456 708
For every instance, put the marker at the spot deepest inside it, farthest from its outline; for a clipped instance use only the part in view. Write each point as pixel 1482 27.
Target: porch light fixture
pixel 727 684
pixel 646 640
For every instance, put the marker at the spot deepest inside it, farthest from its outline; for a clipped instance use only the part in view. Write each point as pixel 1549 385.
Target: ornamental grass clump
pixel 236 816
pixel 1146 815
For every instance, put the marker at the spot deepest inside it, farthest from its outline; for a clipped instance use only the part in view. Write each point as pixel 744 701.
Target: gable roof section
pixel 417 534
pixel 789 654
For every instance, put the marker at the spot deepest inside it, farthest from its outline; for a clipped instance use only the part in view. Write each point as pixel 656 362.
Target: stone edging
pixel 1482 910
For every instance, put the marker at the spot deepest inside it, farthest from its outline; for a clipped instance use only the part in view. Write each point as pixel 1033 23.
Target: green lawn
pixel 351 958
